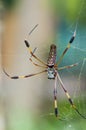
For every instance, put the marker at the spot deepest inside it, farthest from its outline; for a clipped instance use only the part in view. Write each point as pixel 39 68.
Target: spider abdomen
pixel 52 56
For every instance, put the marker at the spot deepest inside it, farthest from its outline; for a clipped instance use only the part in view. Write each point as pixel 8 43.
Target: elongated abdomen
pixel 52 55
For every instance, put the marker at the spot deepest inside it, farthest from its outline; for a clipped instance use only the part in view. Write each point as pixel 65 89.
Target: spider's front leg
pixel 66 49
pixel 32 54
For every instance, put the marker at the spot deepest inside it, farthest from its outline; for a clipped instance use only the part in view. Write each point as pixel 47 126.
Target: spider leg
pixel 33 29
pixel 34 62
pixel 69 98
pixel 33 51
pixel 67 67
pixel 55 98
pixel 23 76
pixel 66 49
pixel 37 64
pixel 30 50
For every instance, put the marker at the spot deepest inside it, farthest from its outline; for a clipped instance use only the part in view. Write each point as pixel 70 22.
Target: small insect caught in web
pixel 51 67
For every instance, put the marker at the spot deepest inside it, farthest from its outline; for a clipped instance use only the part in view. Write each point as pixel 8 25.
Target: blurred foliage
pixel 21 119
pixel 70 120
pixel 10 4
pixel 70 9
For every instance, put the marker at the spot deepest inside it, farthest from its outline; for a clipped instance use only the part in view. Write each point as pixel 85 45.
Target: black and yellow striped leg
pixel 29 48
pixel 66 49
pixel 55 99
pixel 23 76
pixel 32 54
pixel 69 98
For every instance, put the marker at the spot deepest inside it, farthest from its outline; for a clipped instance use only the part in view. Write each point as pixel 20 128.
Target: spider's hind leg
pixel 55 99
pixel 69 98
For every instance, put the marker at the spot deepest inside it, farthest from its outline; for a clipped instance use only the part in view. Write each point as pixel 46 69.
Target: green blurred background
pixel 61 18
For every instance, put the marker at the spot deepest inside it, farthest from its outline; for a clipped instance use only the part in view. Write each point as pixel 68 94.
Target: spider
pixel 52 69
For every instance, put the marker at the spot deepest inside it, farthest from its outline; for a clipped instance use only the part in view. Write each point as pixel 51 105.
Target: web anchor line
pixel 80 12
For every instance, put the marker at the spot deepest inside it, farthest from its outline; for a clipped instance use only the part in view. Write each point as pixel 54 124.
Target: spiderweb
pixel 74 79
